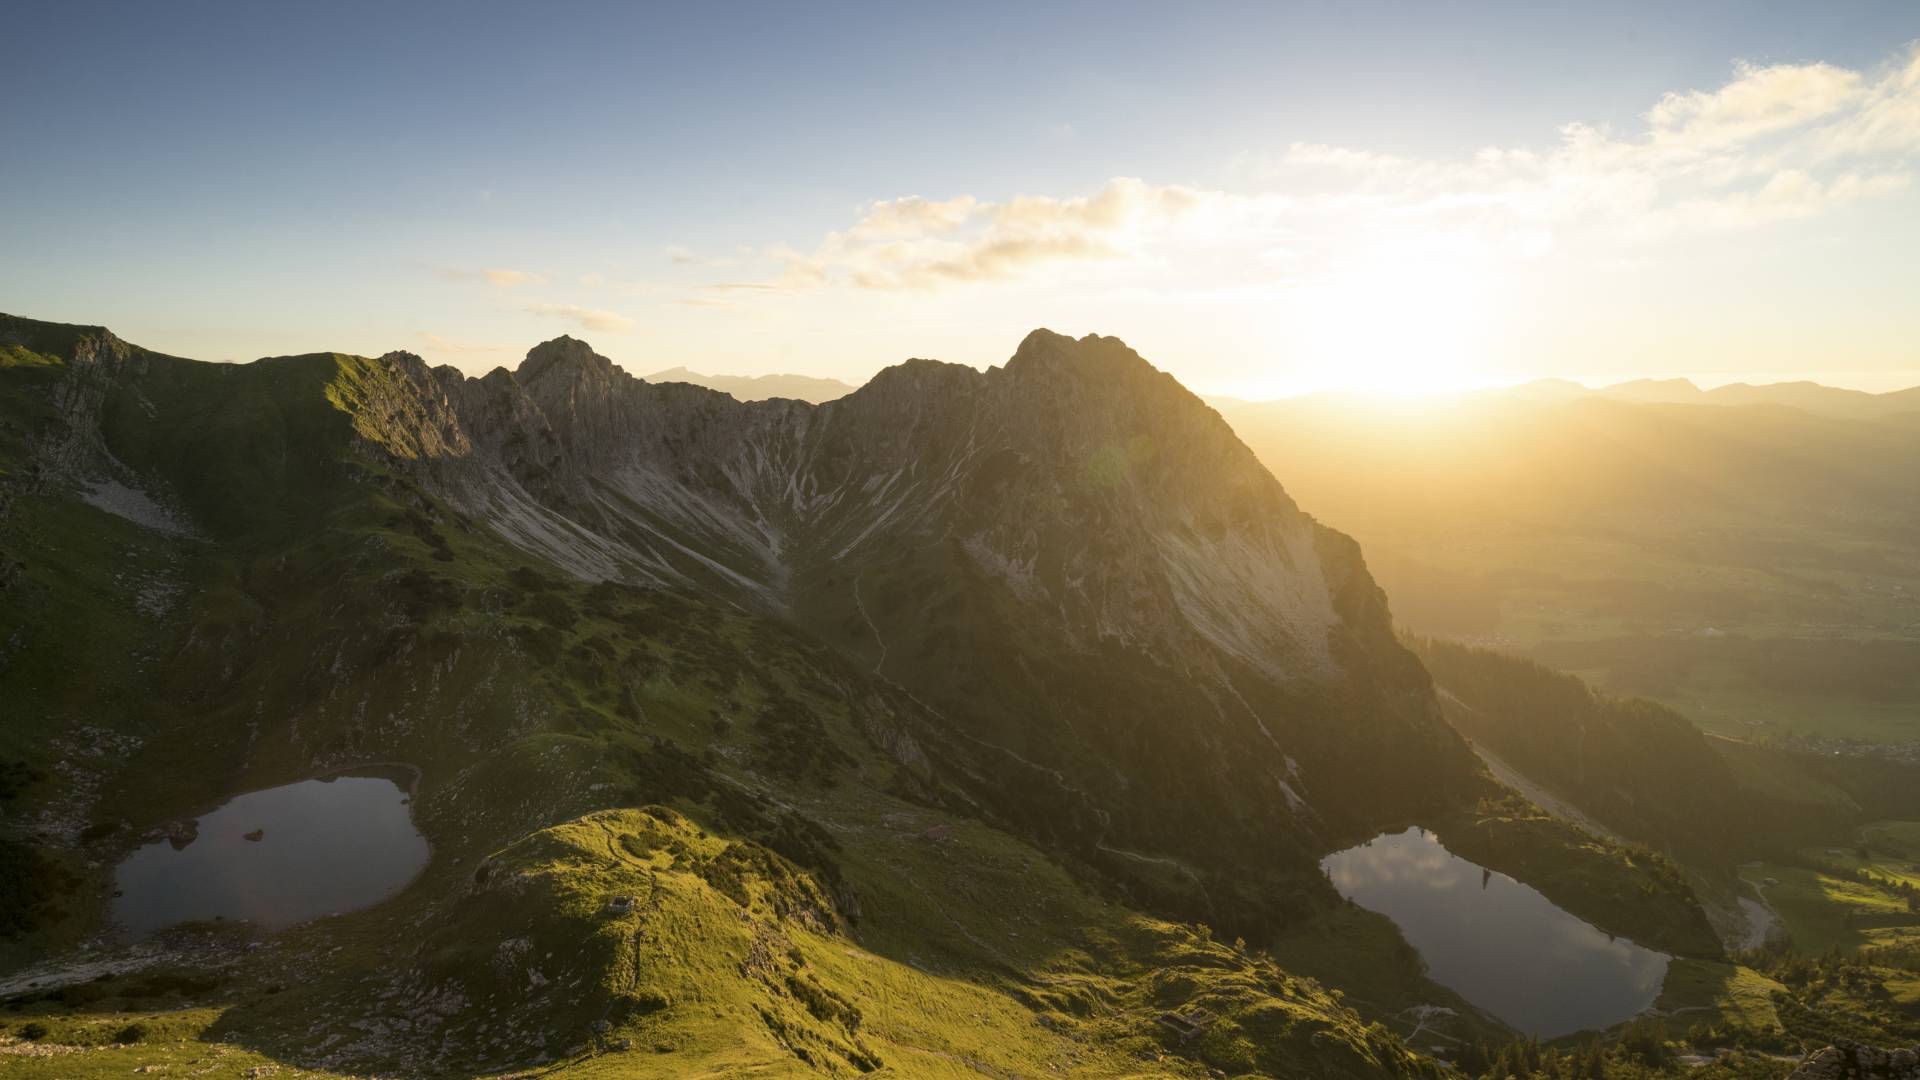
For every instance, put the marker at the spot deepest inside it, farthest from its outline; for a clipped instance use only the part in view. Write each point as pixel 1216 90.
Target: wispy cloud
pixel 920 243
pixel 678 255
pixel 1774 143
pixel 587 318
pixel 1759 101
pixel 499 277
pixel 507 279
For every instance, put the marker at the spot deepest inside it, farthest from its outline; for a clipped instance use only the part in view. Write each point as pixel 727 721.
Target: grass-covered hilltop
pixel 972 724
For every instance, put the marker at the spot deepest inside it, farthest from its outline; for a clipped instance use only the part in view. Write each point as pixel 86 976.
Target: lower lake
pixel 1496 942
pixel 277 857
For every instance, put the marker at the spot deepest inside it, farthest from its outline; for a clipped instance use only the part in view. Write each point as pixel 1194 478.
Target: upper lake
pixel 278 857
pixel 1496 942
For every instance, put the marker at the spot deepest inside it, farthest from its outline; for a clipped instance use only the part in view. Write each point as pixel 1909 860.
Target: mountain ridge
pixel 1075 498
pixel 1021 672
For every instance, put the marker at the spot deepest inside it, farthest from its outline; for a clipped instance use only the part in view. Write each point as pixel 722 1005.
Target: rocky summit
pixel 1202 669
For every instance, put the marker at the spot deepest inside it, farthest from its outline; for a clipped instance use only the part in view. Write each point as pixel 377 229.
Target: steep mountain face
pixel 1126 639
pixel 1158 657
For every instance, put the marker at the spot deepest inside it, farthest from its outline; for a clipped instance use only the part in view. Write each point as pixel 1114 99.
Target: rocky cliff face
pixel 1045 472
pixel 1130 641
pixel 1070 559
pixel 1852 1061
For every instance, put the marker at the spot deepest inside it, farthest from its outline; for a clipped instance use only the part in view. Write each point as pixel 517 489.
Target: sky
pixel 1263 199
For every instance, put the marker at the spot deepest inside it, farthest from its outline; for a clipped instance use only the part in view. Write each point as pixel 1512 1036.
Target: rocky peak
pixel 1070 560
pixel 1043 350
pixel 410 363
pixel 1090 365
pixel 910 381
pixel 1096 399
pixel 565 355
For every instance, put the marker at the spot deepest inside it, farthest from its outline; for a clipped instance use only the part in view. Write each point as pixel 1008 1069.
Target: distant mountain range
pixel 759 387
pixel 1810 396
pixel 1606 531
pixel 1806 395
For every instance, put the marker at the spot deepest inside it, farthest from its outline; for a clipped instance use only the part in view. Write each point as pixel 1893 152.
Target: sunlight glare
pixel 1401 327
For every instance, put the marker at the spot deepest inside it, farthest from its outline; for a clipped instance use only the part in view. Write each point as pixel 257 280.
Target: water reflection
pixel 276 857
pixel 1496 942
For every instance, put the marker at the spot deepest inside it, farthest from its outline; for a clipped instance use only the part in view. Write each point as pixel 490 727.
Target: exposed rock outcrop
pixel 1852 1061
pixel 1070 559
pixel 1111 627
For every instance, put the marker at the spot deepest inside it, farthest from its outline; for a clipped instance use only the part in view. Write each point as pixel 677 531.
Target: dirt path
pixel 1762 921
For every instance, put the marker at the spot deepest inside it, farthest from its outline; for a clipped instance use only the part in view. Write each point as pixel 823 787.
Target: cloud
pixel 588 318
pixel 1773 144
pixel 913 216
pixel 1340 157
pixel 1788 195
pixel 498 277
pixel 507 279
pixel 1759 101
pixel 919 243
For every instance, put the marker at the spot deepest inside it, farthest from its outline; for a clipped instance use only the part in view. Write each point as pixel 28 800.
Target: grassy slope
pixel 337 615
pixel 358 621
pixel 1728 996
pixel 1849 896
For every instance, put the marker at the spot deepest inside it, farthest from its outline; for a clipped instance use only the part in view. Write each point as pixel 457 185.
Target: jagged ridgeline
pixel 939 726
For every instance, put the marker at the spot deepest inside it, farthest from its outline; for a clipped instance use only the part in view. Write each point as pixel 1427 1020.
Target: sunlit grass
pixel 1724 995
pixel 1822 911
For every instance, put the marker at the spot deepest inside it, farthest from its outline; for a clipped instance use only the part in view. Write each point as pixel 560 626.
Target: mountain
pixel 1070 536
pixel 1668 391
pixel 759 387
pixel 965 718
pixel 1809 396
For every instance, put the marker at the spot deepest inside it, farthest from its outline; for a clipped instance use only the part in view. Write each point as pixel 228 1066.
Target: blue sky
pixel 1262 198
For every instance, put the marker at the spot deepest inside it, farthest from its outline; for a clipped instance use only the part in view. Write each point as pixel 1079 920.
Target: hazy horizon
pixel 1871 382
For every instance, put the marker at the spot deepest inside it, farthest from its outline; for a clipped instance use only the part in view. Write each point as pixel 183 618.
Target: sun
pixel 1395 326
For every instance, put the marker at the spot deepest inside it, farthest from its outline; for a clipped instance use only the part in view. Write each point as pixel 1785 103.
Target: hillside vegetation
pixel 917 735
pixel 671 835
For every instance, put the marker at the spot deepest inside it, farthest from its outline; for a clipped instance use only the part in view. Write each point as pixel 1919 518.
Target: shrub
pixel 553 610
